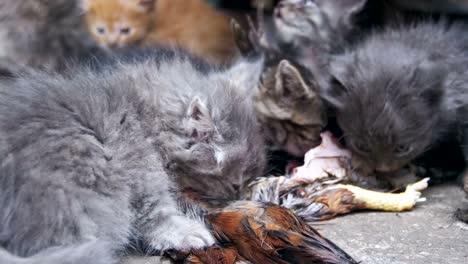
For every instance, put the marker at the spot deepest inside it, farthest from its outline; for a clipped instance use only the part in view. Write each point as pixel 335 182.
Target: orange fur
pixel 190 24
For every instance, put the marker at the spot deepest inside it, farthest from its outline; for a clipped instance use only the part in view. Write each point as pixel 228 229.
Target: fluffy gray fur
pixel 91 161
pixel 41 33
pixel 400 92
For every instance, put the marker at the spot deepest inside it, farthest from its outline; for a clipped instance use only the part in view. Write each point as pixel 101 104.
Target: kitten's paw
pixel 183 233
pixel 200 240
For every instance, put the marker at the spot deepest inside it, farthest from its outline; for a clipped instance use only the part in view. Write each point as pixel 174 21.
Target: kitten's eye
pixel 189 144
pixel 100 30
pixel 194 134
pixel 125 31
pixel 361 148
pixel 403 149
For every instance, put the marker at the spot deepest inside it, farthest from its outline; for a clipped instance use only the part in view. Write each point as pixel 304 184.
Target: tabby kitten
pixel 312 29
pixel 90 161
pixel 190 24
pixel 296 44
pixel 290 110
pixel 41 33
pixel 288 107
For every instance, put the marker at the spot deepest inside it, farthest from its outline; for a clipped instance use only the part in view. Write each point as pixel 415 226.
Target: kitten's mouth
pixel 387 168
pixel 299 147
pixel 383 170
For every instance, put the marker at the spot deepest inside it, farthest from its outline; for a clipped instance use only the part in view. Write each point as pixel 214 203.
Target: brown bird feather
pixel 252 232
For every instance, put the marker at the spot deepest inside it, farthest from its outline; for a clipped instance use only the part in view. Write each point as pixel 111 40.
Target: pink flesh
pixel 328 156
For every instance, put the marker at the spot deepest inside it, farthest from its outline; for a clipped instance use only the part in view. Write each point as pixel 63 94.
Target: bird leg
pixel 393 202
pixel 322 200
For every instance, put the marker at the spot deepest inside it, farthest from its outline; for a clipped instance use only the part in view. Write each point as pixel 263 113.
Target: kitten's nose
pixel 112 45
pixel 383 168
pixel 220 157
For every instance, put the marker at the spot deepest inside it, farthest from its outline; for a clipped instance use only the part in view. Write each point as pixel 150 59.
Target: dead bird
pixel 326 186
pixel 252 232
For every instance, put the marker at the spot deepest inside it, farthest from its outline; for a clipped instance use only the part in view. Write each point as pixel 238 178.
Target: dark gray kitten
pixel 41 33
pixel 89 162
pixel 401 92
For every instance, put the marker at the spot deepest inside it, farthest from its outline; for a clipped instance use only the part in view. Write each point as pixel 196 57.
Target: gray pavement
pixel 428 234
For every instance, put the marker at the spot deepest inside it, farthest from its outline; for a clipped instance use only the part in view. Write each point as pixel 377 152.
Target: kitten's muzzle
pixel 389 166
pixel 384 168
pixel 113 45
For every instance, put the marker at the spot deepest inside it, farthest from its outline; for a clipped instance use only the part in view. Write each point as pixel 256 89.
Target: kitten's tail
pixel 94 252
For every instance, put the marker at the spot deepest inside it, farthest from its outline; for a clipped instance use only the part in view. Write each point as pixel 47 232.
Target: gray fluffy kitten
pixel 401 92
pixel 41 33
pixel 90 161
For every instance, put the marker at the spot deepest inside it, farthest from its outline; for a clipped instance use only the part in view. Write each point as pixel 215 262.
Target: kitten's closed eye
pixel 125 30
pixel 189 144
pixel 403 150
pixel 361 148
pixel 200 135
pixel 100 30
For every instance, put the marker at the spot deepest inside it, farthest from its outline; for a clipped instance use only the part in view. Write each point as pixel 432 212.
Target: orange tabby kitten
pixel 190 24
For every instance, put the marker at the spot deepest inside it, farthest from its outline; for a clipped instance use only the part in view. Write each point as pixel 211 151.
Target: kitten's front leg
pixel 179 232
pixel 164 227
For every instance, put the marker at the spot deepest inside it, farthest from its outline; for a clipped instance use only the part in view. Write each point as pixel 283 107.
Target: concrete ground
pixel 428 234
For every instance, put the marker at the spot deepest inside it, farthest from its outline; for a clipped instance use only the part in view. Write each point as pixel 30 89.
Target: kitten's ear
pixel 84 5
pixel 335 92
pixel 198 111
pixel 341 10
pixel 246 73
pixel 139 5
pixel 434 75
pixel 200 117
pixel 290 83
